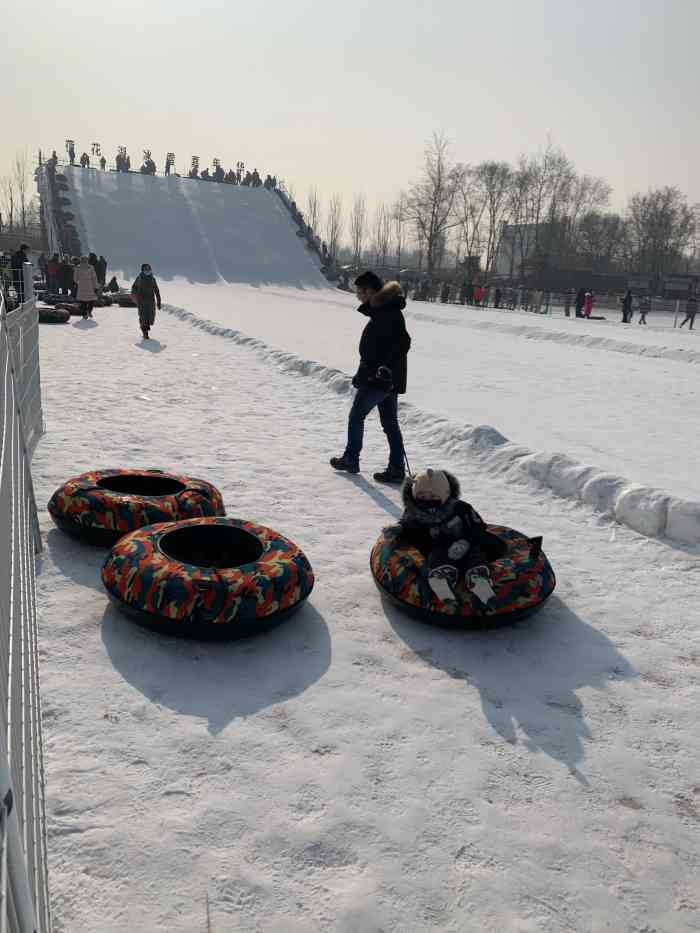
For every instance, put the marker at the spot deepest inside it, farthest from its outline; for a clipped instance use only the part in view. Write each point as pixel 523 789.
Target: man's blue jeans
pixel 366 399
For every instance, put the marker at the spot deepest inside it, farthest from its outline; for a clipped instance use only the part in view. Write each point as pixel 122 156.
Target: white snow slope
pixel 597 411
pixel 352 771
pixel 199 231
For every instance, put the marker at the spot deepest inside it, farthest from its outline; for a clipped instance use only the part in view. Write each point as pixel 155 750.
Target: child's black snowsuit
pixel 452 536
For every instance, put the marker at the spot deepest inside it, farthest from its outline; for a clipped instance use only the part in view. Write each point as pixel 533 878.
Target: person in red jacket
pixel 51 274
pixel 588 304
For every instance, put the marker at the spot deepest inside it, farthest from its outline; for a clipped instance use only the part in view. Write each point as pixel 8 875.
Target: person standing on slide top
pixel 146 294
pixel 381 376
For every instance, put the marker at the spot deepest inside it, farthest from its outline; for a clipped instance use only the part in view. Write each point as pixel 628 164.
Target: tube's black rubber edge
pixel 205 631
pixel 442 620
pixel 89 534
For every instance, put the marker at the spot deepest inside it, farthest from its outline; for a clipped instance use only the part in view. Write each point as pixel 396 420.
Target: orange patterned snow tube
pixel 208 577
pixel 503 591
pixel 101 506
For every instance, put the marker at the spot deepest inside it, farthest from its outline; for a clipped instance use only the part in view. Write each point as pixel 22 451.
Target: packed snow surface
pixel 198 230
pixel 354 771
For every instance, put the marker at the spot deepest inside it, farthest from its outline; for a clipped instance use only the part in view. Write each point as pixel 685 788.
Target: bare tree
pixel 583 195
pixel 602 241
pixel 431 199
pixel 20 174
pixel 398 218
pixel 662 227
pixel 381 234
pixel 313 209
pixel 358 228
pixel 334 224
pixel 493 181
pixel 470 206
pixel 7 186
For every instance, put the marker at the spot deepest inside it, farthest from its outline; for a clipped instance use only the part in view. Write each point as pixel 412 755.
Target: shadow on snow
pixel 220 681
pixel 526 674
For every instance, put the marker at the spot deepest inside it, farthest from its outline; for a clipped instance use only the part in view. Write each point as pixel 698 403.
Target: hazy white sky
pixel 346 94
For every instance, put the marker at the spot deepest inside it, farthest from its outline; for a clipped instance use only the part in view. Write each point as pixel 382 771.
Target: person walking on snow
pixel 691 309
pixel 627 307
pixel 381 376
pixel 86 282
pixel 644 308
pixel 101 270
pixel 146 294
pixel 588 305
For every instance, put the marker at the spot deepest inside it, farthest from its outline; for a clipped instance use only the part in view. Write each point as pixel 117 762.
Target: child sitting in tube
pixel 449 533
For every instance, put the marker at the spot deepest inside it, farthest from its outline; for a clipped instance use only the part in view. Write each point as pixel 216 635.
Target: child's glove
pixel 458 550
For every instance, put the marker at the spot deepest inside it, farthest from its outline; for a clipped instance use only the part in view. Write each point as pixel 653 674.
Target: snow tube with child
pixel 211 578
pixel 102 506
pixel 497 593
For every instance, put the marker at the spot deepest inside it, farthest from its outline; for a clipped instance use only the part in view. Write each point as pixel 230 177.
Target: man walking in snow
pixel 146 294
pixel 381 376
pixel 691 309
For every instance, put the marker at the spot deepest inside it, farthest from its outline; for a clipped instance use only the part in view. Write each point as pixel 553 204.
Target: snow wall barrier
pixel 24 897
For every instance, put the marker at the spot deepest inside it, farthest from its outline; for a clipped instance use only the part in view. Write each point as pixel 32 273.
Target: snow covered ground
pixel 354 771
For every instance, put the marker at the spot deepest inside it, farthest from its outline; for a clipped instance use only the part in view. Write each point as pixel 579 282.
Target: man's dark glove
pixel 383 378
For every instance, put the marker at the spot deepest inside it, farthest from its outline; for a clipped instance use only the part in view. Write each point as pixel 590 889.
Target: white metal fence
pixel 23 333
pixel 24 901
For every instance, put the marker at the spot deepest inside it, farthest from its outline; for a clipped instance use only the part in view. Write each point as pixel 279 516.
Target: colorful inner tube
pixel 212 578
pixel 507 590
pixel 102 506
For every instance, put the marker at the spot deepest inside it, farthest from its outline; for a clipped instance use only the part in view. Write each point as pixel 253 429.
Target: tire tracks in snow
pixel 645 509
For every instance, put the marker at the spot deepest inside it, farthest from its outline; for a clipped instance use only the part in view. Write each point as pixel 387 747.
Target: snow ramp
pixel 200 231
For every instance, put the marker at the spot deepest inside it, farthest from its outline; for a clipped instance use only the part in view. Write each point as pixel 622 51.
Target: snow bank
pixel 649 511
pixel 594 342
pixel 200 231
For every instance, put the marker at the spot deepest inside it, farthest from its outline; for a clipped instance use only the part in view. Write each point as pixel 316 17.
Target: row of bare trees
pixel 552 215
pixel 18 206
pixel 548 213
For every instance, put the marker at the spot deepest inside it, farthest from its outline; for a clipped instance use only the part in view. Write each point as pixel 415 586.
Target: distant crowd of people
pixel 307 231
pixel 479 295
pixel 234 176
pixel 59 272
pixel 237 176
pixel 576 302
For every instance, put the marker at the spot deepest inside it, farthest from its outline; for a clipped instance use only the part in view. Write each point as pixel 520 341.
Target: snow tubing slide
pixel 102 506
pixel 53 316
pixel 208 578
pixel 511 588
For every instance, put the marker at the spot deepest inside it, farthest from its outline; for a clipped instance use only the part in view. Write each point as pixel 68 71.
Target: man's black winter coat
pixel 385 340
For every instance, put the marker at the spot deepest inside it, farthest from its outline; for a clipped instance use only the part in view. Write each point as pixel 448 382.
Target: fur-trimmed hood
pixel 413 509
pixel 386 293
pixel 390 295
